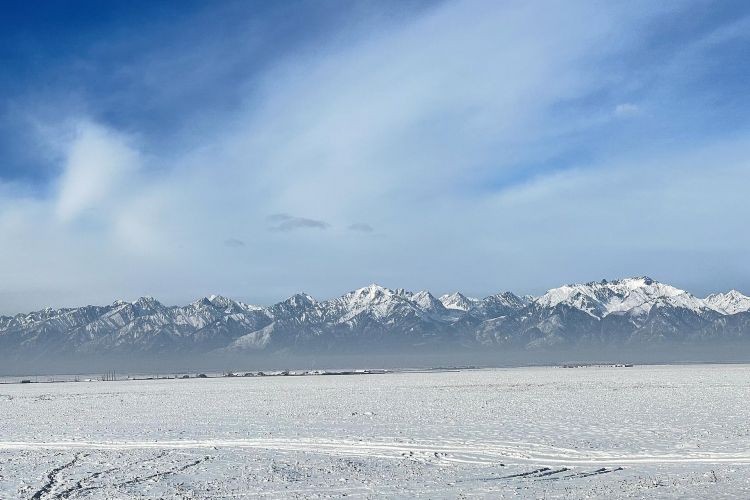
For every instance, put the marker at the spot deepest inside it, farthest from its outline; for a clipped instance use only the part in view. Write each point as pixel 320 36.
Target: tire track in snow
pixel 490 453
pixel 159 475
pixel 52 478
pixel 79 487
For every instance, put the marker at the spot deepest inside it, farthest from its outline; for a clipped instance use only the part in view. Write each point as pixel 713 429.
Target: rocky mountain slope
pixel 377 319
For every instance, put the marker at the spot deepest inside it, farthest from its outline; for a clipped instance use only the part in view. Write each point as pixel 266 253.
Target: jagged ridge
pixel 374 318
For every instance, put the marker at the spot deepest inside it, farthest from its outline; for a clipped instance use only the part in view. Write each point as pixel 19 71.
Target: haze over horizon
pixel 256 150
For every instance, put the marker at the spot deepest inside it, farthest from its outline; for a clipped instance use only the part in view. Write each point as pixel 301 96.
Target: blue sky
pixel 257 149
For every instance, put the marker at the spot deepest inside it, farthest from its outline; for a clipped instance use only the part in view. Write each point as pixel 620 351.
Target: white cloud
pixel 627 109
pixel 98 166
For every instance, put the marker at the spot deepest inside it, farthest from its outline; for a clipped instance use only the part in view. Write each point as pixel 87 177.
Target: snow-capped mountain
pixel 369 316
pixel 635 296
pixel 375 318
pixel 458 301
pixel 732 302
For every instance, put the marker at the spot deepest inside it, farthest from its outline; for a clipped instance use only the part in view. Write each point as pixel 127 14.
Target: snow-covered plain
pixel 658 431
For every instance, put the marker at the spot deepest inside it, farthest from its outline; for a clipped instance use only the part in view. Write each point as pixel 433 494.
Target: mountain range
pixel 630 311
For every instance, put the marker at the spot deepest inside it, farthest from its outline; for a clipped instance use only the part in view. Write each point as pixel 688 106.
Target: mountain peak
pixel 638 281
pixel 633 295
pixel 372 291
pixel 220 301
pixel 301 299
pixel 731 302
pixel 213 301
pixel 375 287
pixel 458 301
pixel 146 301
pixel 632 282
pixel 509 299
pixel 426 301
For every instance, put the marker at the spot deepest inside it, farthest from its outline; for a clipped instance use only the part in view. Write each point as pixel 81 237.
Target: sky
pixel 259 149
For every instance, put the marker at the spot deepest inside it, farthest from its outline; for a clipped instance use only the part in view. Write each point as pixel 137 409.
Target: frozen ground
pixel 659 431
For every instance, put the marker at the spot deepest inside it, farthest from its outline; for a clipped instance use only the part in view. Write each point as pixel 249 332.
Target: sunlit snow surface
pixel 663 431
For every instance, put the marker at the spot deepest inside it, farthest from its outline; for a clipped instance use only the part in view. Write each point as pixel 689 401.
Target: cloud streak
pixel 361 227
pixel 286 222
pixel 627 109
pixel 234 243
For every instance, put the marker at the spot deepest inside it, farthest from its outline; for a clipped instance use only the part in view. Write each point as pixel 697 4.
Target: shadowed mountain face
pixel 625 312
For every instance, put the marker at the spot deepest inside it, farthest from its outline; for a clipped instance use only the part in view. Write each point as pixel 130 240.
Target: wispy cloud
pixel 234 243
pixel 99 165
pixel 627 109
pixel 361 227
pixel 286 222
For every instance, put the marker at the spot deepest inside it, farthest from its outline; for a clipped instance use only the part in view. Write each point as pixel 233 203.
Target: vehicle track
pixel 489 453
pixel 52 478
